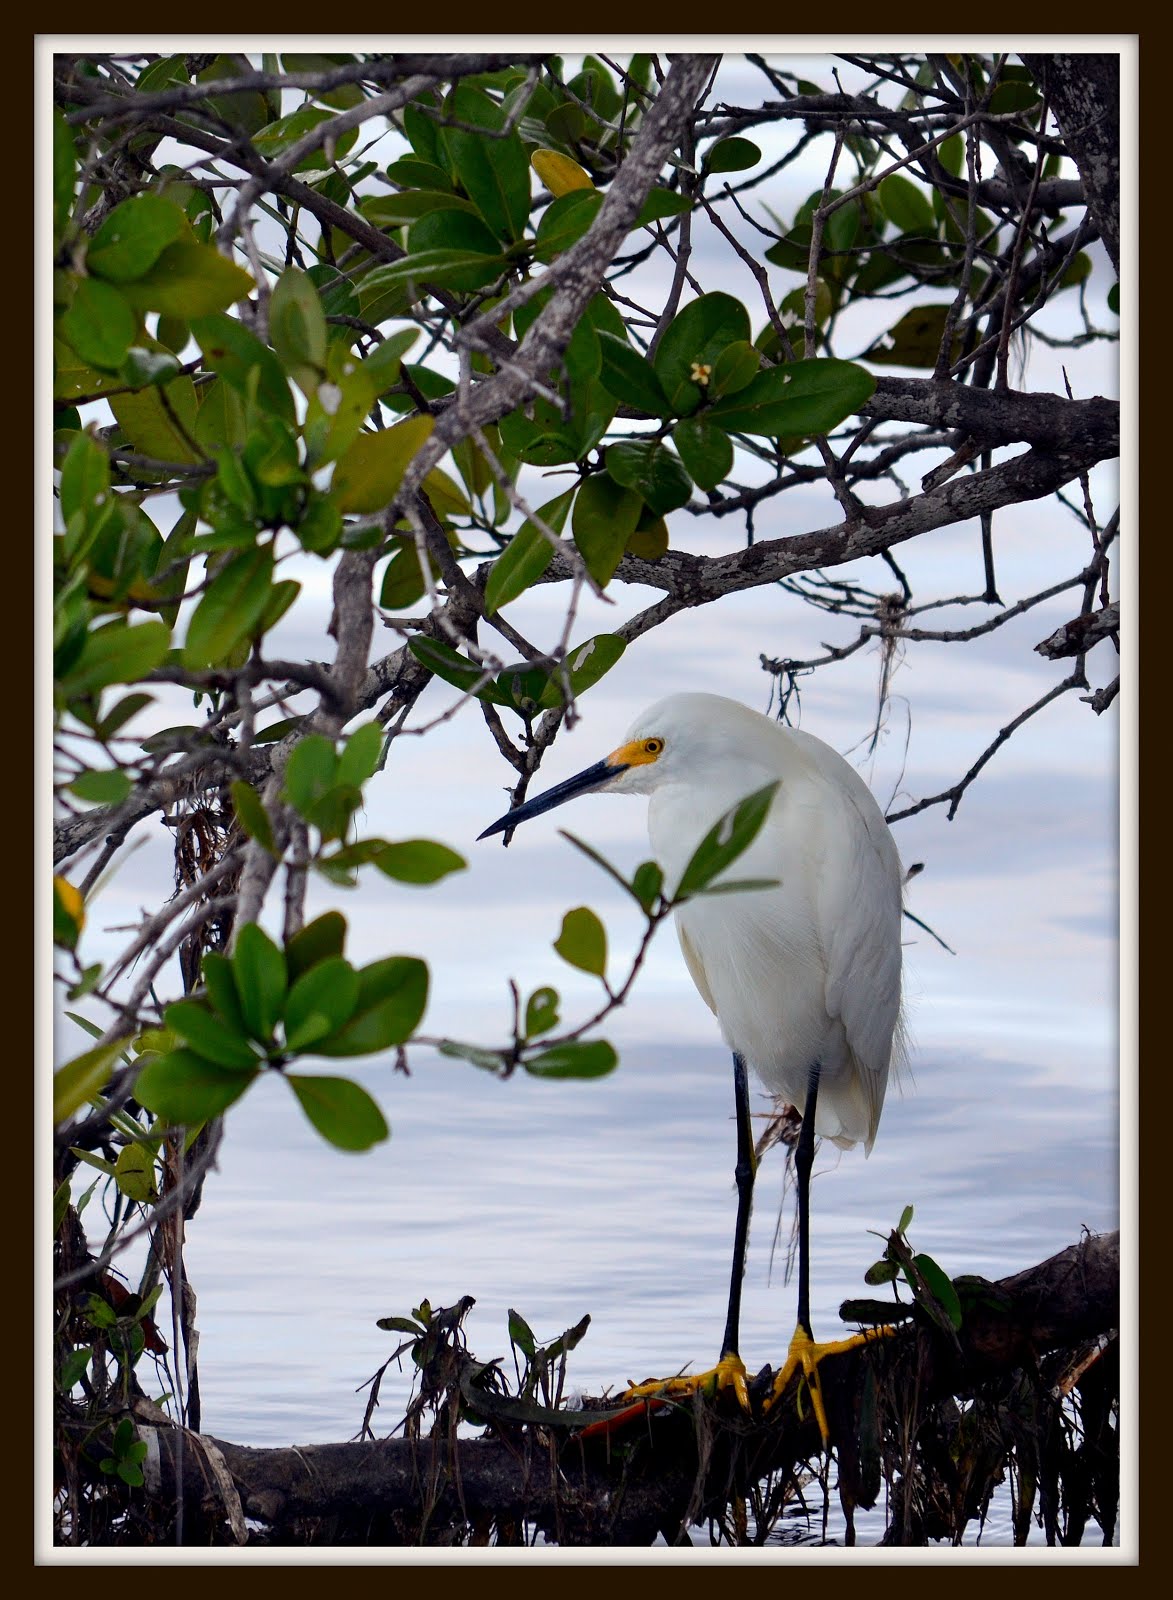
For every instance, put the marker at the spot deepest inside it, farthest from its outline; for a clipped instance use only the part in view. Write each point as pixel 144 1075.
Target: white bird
pixel 803 977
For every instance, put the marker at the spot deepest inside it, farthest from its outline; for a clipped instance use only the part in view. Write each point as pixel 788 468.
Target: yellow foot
pixel 729 1373
pixel 805 1355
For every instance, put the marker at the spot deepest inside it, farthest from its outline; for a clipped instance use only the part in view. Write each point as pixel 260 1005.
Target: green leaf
pixel 521 1334
pixel 73 1366
pixel 134 1172
pixel 578 1059
pixel 661 203
pixel 382 366
pixel 64 167
pixel 85 1076
pixel 541 1012
pixel 951 154
pixel 134 236
pixel 258 967
pixel 73 377
pixel 278 136
pixel 565 221
pixel 1013 95
pixel 526 556
pixel 487 1060
pixel 320 1002
pixel 941 1287
pixel 106 787
pixel 209 1035
pixel 85 478
pixel 183 1088
pixel 797 398
pixel 399 1325
pixel 1114 298
pixel 649 542
pixel 705 450
pixel 387 211
pixel 392 998
pixel 220 985
pixel 144 367
pixel 99 324
pixel 342 1112
pixel 320 528
pixel 881 1272
pixel 605 516
pixel 694 339
pixel 319 940
pixel 189 280
pixel 244 362
pixel 360 754
pixel 583 941
pixel 230 609
pixel 733 368
pixel 493 172
pixel 418 861
pixel 631 377
pixel 586 664
pixel 732 155
pixel 410 173
pixel 653 471
pixel 726 840
pixel 162 423
pixel 90 978
pixel 369 474
pixel 297 327
pixel 444 267
pixel 117 653
pixel 647 882
pixel 914 341
pixel 463 238
pixel 454 668
pixel 310 773
pixel 906 1217
pixel 252 816
pixel 905 205
pixel 403 579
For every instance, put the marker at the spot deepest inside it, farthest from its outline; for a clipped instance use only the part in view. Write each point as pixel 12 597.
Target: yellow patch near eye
pixel 639 753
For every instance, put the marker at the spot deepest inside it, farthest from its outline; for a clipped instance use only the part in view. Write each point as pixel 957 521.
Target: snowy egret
pixel 803 977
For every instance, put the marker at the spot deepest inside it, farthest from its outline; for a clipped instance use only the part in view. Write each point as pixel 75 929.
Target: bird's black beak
pixel 582 783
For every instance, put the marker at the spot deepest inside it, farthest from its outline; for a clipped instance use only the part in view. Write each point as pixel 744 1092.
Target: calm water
pixel 614 1198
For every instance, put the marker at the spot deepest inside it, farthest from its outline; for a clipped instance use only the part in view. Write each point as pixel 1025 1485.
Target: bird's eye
pixel 652 747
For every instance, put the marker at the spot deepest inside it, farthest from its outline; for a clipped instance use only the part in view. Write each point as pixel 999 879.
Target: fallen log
pixel 656 1470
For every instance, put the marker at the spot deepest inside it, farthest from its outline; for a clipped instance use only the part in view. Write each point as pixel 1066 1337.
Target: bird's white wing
pixel 695 965
pixel 858 904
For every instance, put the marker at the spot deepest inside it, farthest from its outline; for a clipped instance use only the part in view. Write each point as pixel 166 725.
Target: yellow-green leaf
pixel 84 1076
pixel 190 280
pixel 165 430
pixel 583 941
pixel 559 173
pixel 368 475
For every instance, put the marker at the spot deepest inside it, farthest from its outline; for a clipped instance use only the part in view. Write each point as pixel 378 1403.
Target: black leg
pixel 744 1175
pixel 804 1160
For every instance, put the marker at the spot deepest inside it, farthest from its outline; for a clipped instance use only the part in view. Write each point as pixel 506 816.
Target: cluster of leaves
pixel 931 1287
pixel 435 1341
pixel 261 1007
pixel 224 426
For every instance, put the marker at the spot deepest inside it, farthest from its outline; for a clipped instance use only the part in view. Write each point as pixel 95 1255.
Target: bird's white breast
pixel 808 971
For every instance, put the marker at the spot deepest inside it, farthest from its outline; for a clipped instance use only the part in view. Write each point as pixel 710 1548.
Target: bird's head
pixel 683 734
pixel 629 769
